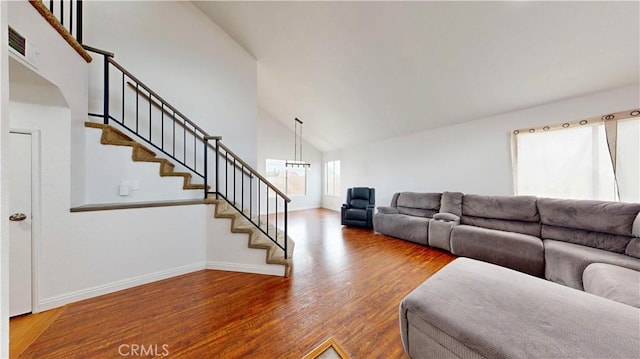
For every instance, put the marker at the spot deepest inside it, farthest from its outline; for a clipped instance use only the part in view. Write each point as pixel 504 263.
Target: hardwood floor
pixel 346 283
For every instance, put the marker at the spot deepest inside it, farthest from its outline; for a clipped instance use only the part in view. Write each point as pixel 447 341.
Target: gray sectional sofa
pixel 590 246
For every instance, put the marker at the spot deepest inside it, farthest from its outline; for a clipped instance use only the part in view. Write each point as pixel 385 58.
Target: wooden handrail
pixel 55 23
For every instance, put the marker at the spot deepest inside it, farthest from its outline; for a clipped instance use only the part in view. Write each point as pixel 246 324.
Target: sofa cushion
pixel 613 282
pixel 418 204
pixel 494 312
pixel 530 228
pixel 517 208
pixel 565 262
pixel 518 251
pixel 599 216
pixel 635 230
pixel 356 214
pixel 388 210
pixel 606 241
pixel 633 248
pixel 414 229
pixel 451 202
pixel 359 203
pixel 417 212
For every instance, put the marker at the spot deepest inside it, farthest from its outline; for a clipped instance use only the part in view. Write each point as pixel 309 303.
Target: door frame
pixel 36 229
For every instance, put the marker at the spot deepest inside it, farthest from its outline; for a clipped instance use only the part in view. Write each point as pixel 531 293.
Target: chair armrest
pixel 388 210
pixel 446 217
pixel 345 206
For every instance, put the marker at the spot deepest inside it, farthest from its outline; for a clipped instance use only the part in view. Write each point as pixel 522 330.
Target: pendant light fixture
pixel 297 140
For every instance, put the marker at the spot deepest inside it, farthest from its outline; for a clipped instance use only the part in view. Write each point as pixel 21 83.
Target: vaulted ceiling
pixel 357 72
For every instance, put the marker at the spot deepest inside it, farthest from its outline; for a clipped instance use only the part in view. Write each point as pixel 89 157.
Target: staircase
pixel 257 239
pixel 254 205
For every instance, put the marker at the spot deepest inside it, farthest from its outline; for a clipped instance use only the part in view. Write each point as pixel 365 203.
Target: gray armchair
pixel 358 211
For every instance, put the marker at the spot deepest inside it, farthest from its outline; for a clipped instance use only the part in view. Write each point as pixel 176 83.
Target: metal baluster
pixel 150 139
pixel 286 226
pixel 217 168
pixel 137 113
pixel 226 174
pixel 79 21
pixel 173 118
pixel 71 17
pixel 122 98
pixel 206 143
pixel 242 187
pixel 162 125
pixel 106 89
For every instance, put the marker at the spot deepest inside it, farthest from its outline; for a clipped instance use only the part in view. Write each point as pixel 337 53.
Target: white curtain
pixel 574 160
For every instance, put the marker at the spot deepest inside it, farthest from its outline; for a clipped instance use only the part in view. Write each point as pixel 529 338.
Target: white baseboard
pixel 268 269
pixel 60 300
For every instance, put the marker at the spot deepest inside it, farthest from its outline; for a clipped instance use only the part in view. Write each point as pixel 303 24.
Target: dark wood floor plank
pixel 346 283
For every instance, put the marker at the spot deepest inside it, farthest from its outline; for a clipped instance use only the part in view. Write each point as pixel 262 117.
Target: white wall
pixel 4 180
pixel 276 141
pixel 184 57
pixel 474 157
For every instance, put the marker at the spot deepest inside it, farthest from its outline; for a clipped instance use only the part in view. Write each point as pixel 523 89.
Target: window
pixel 332 178
pixel 291 181
pixel 589 159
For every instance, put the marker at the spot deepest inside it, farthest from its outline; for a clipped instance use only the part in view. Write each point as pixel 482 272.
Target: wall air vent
pixel 23 49
pixel 17 42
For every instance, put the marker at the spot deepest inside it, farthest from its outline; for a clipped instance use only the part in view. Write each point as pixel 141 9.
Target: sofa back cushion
pixel 515 208
pixel 418 204
pixel 513 214
pixel 598 224
pixel 360 197
pixel 452 203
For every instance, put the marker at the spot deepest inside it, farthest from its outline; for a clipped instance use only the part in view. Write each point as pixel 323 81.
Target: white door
pixel 20 224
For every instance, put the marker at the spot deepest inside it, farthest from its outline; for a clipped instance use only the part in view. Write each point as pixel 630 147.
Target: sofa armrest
pixel 446 217
pixel 388 210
